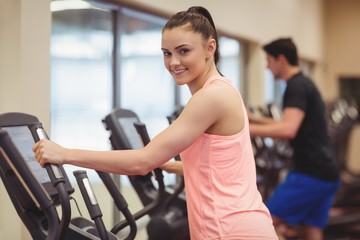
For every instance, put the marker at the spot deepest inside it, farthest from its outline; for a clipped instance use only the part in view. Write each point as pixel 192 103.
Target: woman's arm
pixel 195 119
pixel 127 162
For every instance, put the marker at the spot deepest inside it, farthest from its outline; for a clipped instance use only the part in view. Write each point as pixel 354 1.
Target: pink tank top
pixel 222 198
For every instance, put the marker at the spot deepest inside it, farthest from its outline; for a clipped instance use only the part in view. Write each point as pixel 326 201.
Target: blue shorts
pixel 303 199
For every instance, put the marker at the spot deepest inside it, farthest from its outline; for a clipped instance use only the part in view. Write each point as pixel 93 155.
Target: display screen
pixel 133 137
pixel 24 141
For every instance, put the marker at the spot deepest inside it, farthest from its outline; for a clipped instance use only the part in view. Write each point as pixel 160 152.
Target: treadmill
pixel 168 221
pixel 36 192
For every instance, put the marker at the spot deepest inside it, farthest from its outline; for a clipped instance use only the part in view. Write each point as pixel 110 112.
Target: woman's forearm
pixel 125 162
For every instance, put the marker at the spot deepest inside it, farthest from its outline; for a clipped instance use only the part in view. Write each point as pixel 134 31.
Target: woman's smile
pixel 177 72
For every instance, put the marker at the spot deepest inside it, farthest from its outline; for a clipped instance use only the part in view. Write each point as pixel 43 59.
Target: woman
pixel 211 134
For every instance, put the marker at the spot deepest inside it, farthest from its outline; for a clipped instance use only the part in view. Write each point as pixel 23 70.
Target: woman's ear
pixel 211 47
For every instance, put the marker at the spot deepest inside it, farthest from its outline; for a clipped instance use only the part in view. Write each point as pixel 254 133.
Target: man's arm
pixel 285 128
pixel 260 119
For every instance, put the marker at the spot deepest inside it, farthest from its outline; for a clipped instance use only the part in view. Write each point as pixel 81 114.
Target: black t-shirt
pixel 313 154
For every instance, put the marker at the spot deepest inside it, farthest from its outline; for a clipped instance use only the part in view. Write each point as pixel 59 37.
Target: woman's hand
pixel 173 167
pixel 49 152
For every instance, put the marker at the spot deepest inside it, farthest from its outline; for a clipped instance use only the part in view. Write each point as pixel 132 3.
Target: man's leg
pixel 280 227
pixel 311 232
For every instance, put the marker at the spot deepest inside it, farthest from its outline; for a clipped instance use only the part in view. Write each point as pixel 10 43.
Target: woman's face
pixel 185 55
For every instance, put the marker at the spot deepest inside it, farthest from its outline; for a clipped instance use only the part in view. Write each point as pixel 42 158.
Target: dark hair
pixel 201 22
pixel 284 46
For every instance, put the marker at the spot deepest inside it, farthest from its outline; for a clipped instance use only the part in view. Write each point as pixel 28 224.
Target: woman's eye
pixel 184 51
pixel 166 53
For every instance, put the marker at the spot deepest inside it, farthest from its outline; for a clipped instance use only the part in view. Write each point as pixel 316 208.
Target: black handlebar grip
pixel 91 202
pixel 88 194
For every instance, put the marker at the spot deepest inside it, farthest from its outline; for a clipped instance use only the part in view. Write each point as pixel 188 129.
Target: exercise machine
pixel 343 115
pixel 37 192
pixel 345 222
pixel 272 156
pixel 169 219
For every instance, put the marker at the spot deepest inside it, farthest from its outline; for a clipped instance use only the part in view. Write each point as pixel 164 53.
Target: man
pixel 305 197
